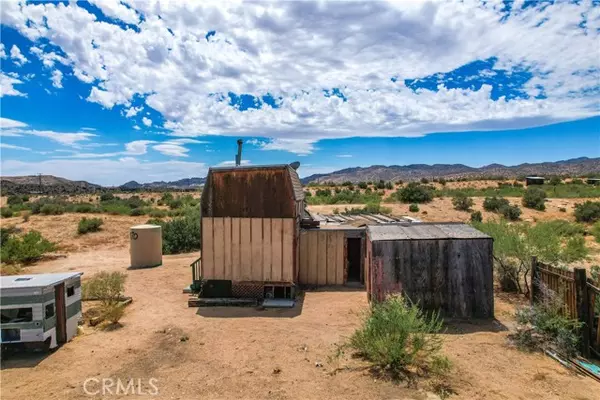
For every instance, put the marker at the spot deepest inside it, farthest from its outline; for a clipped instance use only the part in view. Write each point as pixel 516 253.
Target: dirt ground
pixel 233 353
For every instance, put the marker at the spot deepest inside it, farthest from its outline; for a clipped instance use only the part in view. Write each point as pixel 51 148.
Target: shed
pixel 441 266
pixel 250 230
pixel 593 181
pixel 534 180
pixel 40 309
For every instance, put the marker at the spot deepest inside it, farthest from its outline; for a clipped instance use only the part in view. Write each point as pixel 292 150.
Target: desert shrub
pixel 23 249
pixel 26 216
pixel 323 192
pixel 115 207
pixel 113 312
pixel 14 200
pixel 107 196
pixel 588 211
pixel 167 197
pixel 87 225
pixel 517 185
pixel 574 249
pixel 362 185
pixel 389 185
pixel 157 214
pixel 535 198
pixel 380 184
pixel 137 212
pixel 52 209
pixel 413 208
pixel 442 181
pixel 566 228
pixel 562 209
pixel 376 208
pixel 307 193
pixel 596 231
pixel 85 208
pixel 105 286
pixel 494 204
pixel 134 202
pixel 544 324
pixel 181 234
pixel 415 193
pixel 175 204
pixel 6 212
pixel 462 202
pixel 555 180
pixel 577 181
pixel 396 336
pixel 510 212
pixel 476 216
pixel 424 181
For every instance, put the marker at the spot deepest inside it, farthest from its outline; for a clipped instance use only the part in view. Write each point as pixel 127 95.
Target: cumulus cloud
pixel 138 147
pixel 57 77
pixel 106 171
pixel 11 146
pixel 133 111
pixel 7 84
pixel 17 57
pixel 6 123
pixel 2 51
pixel 296 53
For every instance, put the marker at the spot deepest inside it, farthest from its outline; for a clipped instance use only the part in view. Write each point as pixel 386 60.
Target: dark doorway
pixel 61 317
pixel 354 259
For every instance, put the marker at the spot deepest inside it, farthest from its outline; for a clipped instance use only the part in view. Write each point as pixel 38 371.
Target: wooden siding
pixel 453 276
pixel 322 257
pixel 248 249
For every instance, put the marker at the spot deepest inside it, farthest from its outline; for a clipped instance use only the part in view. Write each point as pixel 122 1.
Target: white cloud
pixel 344 155
pixel 171 149
pixel 10 146
pixel 133 111
pixel 300 147
pixel 7 86
pixel 57 77
pixel 137 128
pixel 6 123
pixel 106 172
pixel 67 139
pixel 295 50
pixel 138 147
pixel 147 121
pixel 2 52
pixel 88 129
pixel 17 57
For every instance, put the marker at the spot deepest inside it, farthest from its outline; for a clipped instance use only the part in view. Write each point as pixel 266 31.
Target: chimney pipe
pixel 238 157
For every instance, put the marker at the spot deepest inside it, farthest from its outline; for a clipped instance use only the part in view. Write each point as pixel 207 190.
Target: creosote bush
pixel 462 202
pixel 476 216
pixel 415 193
pixel 89 225
pixel 108 288
pixel 588 211
pixel 182 233
pixel 535 198
pixel 397 337
pixel 24 249
pixel 413 208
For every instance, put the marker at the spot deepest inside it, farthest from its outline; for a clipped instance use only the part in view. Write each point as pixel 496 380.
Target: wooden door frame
pixel 60 311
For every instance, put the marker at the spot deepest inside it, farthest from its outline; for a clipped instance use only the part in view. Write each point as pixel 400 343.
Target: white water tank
pixel 146 246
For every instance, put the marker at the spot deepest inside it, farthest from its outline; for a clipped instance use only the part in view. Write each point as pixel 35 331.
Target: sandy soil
pixel 270 354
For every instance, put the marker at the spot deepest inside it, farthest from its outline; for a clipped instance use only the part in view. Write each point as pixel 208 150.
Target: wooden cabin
pixel 250 231
pixel 446 267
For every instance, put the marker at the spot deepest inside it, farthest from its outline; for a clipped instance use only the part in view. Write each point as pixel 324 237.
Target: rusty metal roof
pixel 421 231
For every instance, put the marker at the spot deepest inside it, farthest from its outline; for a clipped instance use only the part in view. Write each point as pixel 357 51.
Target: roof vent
pixel 295 165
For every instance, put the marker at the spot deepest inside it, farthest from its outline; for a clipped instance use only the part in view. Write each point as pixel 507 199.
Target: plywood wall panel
pixel 246 249
pixel 257 249
pixel 287 274
pixel 207 249
pixel 219 247
pixel 277 249
pixel 236 267
pixel 267 250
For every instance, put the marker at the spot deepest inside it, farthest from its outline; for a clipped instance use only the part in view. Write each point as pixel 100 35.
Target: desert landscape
pixel 223 353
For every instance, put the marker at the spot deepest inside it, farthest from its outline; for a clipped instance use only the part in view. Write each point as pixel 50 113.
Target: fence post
pixel 535 281
pixel 583 312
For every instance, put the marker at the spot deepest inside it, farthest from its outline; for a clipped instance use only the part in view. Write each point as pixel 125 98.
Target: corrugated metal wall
pixel 322 257
pixel 248 249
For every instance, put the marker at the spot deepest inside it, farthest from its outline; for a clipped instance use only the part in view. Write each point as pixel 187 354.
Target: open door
pixel 61 317
pixel 353 248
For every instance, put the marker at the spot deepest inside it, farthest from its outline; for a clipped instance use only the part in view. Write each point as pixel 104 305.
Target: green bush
pixel 424 181
pixel 52 209
pixel 545 324
pixel 415 193
pixel 476 216
pixel 167 197
pixel 494 204
pixel 87 225
pixel 105 286
pixel 181 234
pixel 25 249
pixel 175 203
pixel 535 198
pixel 85 208
pixel 398 337
pixel 6 212
pixel 107 196
pixel 461 202
pixel 510 212
pixel 362 185
pixel 157 214
pixel 555 180
pixel 413 208
pixel 137 212
pixel 588 211
pixel 14 200
pixel 596 231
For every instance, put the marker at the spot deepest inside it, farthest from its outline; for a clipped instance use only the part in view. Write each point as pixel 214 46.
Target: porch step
pixel 221 301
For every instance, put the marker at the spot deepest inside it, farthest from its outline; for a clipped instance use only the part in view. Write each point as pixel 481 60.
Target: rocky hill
pixel 44 184
pixel 572 167
pixel 186 183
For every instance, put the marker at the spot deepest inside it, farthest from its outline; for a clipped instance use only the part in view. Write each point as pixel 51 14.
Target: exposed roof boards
pixel 423 231
pixel 35 280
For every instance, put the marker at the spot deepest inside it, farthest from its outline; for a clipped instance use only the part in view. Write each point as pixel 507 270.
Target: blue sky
pixel 111 91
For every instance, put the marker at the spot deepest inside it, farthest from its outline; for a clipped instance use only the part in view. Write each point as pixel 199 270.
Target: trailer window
pixel 49 310
pixel 70 291
pixel 14 315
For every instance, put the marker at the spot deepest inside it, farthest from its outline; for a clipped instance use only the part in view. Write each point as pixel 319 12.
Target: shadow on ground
pixel 23 358
pixel 252 312
pixel 460 327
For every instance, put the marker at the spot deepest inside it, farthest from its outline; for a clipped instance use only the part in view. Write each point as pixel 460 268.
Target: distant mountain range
pixel 48 184
pixel 575 166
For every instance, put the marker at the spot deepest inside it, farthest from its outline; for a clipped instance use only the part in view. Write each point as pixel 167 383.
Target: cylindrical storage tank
pixel 146 246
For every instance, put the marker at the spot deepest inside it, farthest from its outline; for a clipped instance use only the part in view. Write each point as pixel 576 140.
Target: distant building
pixel 534 180
pixel 593 181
